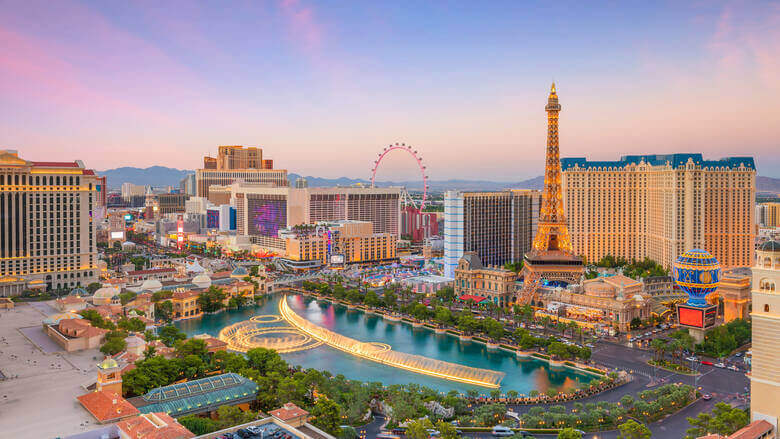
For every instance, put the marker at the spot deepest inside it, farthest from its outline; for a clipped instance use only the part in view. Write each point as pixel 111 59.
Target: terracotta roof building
pixel 153 426
pixel 107 406
pixel 76 334
pixel 291 414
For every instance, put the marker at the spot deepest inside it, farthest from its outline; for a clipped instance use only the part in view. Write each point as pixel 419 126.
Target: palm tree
pixel 676 348
pixel 659 348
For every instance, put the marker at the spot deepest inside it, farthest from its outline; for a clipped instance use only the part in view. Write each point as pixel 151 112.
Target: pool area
pixel 520 374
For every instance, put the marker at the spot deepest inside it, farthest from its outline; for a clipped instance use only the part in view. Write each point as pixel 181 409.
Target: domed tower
pixel 109 376
pixel 697 273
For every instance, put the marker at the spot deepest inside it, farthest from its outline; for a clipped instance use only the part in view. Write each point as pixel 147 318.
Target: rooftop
pixel 107 406
pixel 674 160
pixel 288 411
pixel 154 426
pixel 197 396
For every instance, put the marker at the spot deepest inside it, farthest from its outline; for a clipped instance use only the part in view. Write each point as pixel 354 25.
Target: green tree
pixel 164 311
pixel 170 334
pixel 192 346
pixel 212 299
pixel 723 420
pixel 94 286
pixel 198 425
pixel 390 300
pixel 126 297
pixel 569 433
pixel 230 415
pixel 326 415
pixel 633 430
pixel 447 430
pixel 372 299
pixel 446 294
pixel 635 323
pixel 418 429
pixel 113 345
pixel 133 324
pixel 266 361
pixel 96 319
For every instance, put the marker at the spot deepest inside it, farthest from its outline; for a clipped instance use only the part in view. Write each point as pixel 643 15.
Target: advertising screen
pixel 691 316
pixel 267 215
pixel 337 259
pixel 117 235
pixel 128 217
pixel 212 219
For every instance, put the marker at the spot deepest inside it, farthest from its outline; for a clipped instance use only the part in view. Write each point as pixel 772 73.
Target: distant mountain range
pixel 156 176
pixel 160 176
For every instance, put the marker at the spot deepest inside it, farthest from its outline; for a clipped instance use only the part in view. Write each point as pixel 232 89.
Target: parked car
pixel 433 432
pixel 738 354
pixel 708 363
pixel 500 430
pixel 691 358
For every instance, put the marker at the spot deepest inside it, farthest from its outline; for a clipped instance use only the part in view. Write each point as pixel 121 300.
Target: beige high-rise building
pixel 765 366
pixel 239 157
pixel 47 234
pixel 347 242
pixel 237 163
pixel 768 214
pixel 658 206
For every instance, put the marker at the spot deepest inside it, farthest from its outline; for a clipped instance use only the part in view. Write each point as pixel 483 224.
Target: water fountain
pixel 382 353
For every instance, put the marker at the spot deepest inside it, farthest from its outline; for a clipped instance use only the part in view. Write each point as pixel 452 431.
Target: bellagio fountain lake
pixel 364 346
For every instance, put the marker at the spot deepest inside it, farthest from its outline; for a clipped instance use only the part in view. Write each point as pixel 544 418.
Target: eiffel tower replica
pixel 551 258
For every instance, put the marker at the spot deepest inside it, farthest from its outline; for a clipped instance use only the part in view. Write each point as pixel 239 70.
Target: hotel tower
pixel 47 233
pixel 659 206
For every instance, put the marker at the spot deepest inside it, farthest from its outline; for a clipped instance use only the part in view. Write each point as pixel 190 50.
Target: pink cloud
pixel 304 28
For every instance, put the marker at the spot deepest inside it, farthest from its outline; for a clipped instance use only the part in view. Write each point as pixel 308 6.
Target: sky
pixel 324 85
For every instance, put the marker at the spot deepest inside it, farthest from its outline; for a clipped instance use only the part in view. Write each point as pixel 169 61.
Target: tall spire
pixel 552 232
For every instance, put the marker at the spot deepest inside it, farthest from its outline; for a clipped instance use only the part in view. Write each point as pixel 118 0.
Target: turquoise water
pixel 522 375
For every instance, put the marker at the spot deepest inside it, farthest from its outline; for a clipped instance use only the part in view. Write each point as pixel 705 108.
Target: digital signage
pixel 267 215
pixel 697 317
pixel 691 316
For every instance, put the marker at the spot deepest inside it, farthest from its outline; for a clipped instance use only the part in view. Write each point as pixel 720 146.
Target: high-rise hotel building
pixel 262 211
pixel 47 233
pixel 658 206
pixel 498 226
pixel 237 163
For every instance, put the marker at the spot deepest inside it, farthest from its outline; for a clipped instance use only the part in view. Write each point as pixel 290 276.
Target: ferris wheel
pixel 405 195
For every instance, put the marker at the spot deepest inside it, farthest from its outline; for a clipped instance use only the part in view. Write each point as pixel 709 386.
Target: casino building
pixel 47 230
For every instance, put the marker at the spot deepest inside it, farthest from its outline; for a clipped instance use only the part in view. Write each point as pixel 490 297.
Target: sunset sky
pixel 323 86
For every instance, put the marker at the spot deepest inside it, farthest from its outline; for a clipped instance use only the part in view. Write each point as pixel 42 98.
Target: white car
pixel 734 368
pixel 500 430
pixel 720 365
pixel 691 358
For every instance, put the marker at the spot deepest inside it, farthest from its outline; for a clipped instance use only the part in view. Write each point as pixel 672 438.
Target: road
pixel 723 384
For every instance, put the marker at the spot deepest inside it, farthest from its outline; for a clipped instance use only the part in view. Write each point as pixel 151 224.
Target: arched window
pixel 766 307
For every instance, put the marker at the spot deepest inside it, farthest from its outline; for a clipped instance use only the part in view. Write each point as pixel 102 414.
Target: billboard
pixel 117 235
pixel 336 259
pixel 128 218
pixel 267 214
pixel 212 218
pixel 697 317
